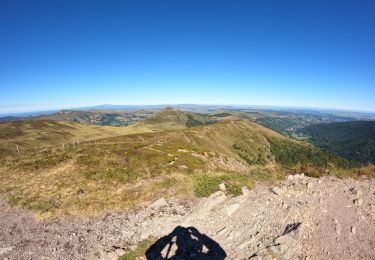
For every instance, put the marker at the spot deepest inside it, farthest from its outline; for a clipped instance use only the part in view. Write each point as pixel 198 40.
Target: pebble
pixel 245 191
pixel 6 249
pixel 120 251
pixel 277 190
pixel 222 187
pixel 358 202
pixel 159 203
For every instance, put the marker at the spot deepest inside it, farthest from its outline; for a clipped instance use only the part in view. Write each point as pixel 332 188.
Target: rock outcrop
pixel 299 218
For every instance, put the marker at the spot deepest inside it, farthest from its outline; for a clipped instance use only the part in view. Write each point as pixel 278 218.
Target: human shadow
pixel 185 243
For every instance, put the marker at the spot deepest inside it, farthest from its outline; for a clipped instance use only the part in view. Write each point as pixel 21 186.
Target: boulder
pixel 159 203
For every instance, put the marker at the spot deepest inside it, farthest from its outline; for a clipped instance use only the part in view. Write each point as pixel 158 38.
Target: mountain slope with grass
pixel 352 140
pixel 119 172
pixel 171 119
pixel 80 126
pixel 38 134
pixel 101 117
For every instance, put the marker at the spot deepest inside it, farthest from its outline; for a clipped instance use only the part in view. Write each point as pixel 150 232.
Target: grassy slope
pixel 101 117
pixel 352 140
pixel 170 119
pixel 37 134
pixel 121 172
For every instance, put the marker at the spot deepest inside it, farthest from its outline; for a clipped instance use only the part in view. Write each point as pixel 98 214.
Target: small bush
pixel 43 161
pixel 140 250
pixel 234 188
pixel 120 175
pixel 248 156
pixel 206 184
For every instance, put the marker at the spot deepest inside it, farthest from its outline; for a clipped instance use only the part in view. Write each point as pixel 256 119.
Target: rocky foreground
pixel 300 218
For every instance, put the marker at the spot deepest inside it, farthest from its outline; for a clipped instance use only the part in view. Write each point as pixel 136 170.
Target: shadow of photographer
pixel 185 243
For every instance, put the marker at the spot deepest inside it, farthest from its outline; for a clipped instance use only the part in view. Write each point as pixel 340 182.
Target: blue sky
pixel 69 53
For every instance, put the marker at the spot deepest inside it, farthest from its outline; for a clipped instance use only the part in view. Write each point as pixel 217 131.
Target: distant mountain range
pixel 203 108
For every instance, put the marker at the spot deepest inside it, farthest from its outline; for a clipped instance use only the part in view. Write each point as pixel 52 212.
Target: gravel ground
pixel 299 218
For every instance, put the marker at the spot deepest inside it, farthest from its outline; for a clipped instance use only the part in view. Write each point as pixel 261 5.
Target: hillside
pixel 74 125
pixel 171 119
pixel 124 171
pixel 352 140
pixel 101 117
pixel 148 120
pixel 290 123
pixel 42 133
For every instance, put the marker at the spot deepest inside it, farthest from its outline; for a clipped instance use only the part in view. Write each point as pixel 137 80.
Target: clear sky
pixel 306 53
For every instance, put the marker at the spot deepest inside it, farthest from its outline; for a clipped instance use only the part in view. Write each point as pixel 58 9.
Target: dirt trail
pixel 300 218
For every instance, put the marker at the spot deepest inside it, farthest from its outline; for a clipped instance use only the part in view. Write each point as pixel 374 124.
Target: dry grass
pixel 140 250
pixel 354 172
pixel 34 135
pixel 129 170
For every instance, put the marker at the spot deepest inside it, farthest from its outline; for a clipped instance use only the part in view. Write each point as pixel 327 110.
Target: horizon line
pixel 79 107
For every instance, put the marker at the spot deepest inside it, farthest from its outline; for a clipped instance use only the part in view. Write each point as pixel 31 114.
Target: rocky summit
pixel 298 218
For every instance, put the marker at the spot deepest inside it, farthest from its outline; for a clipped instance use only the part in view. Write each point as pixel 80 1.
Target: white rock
pixel 222 187
pixel 5 250
pixel 109 256
pixel 120 251
pixel 286 240
pixel 205 206
pixel 358 202
pixel 279 249
pixel 277 190
pixel 231 209
pixel 246 243
pixel 245 191
pixel 159 203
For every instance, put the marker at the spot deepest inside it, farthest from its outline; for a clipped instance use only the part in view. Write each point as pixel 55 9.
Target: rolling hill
pixel 352 140
pixel 119 172
pixel 42 133
pixel 171 119
pixel 67 127
pixel 101 117
pixel 149 120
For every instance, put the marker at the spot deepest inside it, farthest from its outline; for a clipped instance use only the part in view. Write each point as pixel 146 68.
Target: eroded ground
pixel 301 217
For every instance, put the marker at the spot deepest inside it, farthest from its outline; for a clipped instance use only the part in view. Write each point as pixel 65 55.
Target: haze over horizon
pixel 63 54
